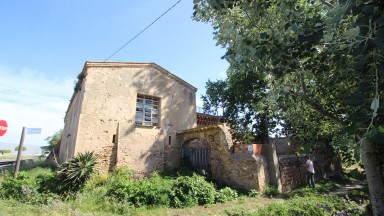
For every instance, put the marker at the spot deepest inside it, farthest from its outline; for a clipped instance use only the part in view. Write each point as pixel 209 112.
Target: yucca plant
pixel 76 171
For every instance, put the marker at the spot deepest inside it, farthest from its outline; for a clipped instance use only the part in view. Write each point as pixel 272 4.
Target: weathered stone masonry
pixel 101 116
pixel 240 170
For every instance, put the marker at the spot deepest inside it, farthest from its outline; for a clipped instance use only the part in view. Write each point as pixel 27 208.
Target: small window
pixel 147 110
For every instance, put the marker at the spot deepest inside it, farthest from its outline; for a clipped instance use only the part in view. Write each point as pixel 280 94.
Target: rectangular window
pixel 147 110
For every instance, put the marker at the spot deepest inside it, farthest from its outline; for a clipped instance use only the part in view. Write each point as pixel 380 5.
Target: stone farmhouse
pixel 128 114
pixel 142 116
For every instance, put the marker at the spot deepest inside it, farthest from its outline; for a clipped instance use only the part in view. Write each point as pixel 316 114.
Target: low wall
pixel 293 172
pixel 241 170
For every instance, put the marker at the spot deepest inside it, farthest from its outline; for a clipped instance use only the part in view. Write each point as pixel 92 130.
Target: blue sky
pixel 44 44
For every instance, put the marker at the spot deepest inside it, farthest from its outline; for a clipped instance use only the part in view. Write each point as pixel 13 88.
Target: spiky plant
pixel 76 171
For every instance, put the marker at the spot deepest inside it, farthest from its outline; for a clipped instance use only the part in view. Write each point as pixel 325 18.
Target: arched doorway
pixel 198 153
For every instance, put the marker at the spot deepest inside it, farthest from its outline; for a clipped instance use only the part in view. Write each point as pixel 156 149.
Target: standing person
pixel 310 171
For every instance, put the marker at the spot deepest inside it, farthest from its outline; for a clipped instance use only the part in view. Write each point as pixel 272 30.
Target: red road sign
pixel 3 127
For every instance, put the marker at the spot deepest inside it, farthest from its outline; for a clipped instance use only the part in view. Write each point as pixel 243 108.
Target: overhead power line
pixel 142 30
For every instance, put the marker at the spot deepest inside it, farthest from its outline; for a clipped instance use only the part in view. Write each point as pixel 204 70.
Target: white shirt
pixel 309 164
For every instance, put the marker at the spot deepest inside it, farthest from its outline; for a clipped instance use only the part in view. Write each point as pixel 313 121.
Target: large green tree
pixel 53 140
pixel 314 64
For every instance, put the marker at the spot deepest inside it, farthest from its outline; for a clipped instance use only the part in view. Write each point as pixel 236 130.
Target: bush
pixel 141 192
pixel 192 191
pixel 24 189
pixel 48 183
pixel 121 173
pixel 76 171
pixel 271 191
pixel 225 194
pixel 97 181
pixel 16 188
pixel 253 193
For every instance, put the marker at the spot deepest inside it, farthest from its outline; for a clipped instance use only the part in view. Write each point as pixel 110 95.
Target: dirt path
pixel 344 189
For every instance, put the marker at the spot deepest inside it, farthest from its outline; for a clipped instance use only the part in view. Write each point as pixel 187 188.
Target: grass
pixel 93 200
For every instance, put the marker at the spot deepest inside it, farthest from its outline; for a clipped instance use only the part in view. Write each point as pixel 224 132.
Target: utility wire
pixel 142 31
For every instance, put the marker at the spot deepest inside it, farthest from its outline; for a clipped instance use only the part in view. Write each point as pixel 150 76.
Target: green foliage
pixel 253 193
pixel 313 205
pixel 53 140
pixel 316 66
pixel 214 100
pixel 5 151
pixel 119 193
pixel 225 194
pixel 16 188
pixel 17 148
pixel 97 181
pixel 271 191
pixel 141 192
pixel 121 173
pixel 348 151
pixel 76 171
pixel 49 183
pixel 24 189
pixel 191 191
pixel 80 78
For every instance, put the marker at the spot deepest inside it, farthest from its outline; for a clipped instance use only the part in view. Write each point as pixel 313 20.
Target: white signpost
pixel 24 131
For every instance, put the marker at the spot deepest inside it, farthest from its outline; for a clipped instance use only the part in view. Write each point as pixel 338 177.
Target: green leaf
pixel 376 135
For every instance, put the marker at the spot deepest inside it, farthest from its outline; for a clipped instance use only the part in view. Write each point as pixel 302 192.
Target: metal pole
pixel 19 153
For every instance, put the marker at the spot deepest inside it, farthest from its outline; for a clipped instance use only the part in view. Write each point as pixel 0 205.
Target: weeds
pixel 119 193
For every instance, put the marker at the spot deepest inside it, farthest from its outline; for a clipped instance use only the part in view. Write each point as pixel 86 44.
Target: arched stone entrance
pixel 240 170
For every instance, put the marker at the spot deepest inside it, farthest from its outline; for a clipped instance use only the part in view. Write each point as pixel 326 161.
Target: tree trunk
pixel 374 176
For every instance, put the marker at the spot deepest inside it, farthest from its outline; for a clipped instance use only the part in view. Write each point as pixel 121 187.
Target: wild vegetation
pixel 314 67
pixel 52 140
pixel 75 188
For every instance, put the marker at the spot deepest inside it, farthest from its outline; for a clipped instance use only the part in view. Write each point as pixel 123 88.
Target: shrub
pixel 147 193
pixel 48 183
pixel 192 191
pixel 141 192
pixel 97 181
pixel 120 189
pixel 271 191
pixel 16 188
pixel 225 194
pixel 24 189
pixel 253 193
pixel 121 173
pixel 76 171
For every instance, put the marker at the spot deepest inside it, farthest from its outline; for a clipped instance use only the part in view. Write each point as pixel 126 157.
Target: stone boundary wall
pixel 240 170
pixel 293 172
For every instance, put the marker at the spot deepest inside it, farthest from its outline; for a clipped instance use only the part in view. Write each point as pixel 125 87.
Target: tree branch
pixel 317 107
pixel 326 3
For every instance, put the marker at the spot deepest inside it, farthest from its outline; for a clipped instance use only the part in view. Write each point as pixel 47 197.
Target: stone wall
pixel 292 169
pixel 71 121
pixel 240 170
pixel 101 117
pixel 292 172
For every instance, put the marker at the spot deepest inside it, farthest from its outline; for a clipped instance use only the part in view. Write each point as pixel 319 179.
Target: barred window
pixel 147 110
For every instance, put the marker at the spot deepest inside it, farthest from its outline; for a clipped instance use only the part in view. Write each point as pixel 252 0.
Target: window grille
pixel 147 110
